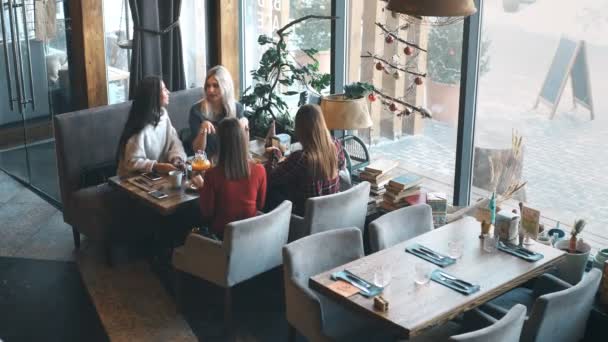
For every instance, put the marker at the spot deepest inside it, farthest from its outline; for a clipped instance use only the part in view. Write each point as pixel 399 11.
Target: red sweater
pixel 224 201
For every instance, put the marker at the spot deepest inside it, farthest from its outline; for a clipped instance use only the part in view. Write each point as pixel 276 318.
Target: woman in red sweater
pixel 236 188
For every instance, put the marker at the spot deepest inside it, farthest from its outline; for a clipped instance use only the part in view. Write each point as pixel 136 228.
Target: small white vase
pixel 573 267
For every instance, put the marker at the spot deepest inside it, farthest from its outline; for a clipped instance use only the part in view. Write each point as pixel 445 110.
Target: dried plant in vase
pixel 578 227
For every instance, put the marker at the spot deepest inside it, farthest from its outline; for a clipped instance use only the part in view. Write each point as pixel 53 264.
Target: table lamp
pixel 344 113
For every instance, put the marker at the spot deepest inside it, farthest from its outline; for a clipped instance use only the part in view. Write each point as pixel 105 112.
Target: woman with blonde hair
pixel 236 188
pixel 311 171
pixel 218 103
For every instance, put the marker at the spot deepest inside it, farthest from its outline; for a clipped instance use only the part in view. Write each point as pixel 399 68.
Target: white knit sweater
pixel 153 144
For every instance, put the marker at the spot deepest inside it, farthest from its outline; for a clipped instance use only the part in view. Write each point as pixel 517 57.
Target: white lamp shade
pixel 343 113
pixel 433 8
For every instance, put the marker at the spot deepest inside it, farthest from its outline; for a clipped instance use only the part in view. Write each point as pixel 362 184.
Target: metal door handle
pixel 7 64
pixel 29 57
pixel 16 60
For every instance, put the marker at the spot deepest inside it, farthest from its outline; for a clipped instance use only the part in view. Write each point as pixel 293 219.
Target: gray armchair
pixel 250 247
pixel 344 209
pixel 558 310
pixel 507 329
pixel 311 314
pixel 400 225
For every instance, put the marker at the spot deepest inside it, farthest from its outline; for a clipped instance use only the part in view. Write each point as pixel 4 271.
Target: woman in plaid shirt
pixel 310 172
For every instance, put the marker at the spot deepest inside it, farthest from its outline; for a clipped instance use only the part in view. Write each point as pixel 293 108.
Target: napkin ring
pixel 380 303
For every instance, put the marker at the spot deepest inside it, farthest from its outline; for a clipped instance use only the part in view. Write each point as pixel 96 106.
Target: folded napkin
pixel 520 252
pixel 454 283
pixel 366 289
pixel 430 255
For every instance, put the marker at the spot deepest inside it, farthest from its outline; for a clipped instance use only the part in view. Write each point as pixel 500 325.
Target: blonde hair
pixel 224 79
pixel 317 144
pixel 233 154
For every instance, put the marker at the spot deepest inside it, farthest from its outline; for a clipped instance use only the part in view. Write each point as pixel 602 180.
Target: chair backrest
pixel 507 329
pixel 253 245
pixel 307 257
pixel 88 138
pixel 344 209
pixel 562 315
pixel 400 225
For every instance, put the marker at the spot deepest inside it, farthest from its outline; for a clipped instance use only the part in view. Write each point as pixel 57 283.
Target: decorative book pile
pixel 439 204
pixel 378 173
pixel 403 191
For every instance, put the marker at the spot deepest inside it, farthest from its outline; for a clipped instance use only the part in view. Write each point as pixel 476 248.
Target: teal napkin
pixel 418 250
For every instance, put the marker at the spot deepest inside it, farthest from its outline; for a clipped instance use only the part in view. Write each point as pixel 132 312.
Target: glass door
pixel 37 80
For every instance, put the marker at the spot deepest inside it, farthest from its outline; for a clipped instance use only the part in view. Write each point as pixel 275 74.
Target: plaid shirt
pixel 294 175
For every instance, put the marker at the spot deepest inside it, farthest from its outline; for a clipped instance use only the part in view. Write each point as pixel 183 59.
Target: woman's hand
pixel 163 167
pixel 178 163
pixel 198 181
pixel 206 128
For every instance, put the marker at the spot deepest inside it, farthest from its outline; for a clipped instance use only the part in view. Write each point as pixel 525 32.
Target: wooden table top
pixel 412 307
pixel 165 206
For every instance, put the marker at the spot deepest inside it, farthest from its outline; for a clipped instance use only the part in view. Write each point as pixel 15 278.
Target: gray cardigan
pixel 197 118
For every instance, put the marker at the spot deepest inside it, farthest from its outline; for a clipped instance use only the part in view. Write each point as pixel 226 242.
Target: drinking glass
pixel 489 243
pixel 422 273
pixel 455 248
pixel 383 275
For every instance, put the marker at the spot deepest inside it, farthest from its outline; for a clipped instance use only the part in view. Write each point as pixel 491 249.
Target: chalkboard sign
pixel 570 59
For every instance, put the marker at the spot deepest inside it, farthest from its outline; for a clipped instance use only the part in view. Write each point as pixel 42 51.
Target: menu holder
pixel 430 255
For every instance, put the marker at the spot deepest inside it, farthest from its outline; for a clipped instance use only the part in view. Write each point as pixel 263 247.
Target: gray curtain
pixel 157 43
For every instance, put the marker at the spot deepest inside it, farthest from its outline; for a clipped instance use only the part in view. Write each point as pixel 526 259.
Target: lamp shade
pixel 433 8
pixel 344 113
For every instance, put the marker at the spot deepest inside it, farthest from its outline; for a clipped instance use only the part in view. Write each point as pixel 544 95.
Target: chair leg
pixel 291 333
pixel 76 235
pixel 228 311
pixel 107 251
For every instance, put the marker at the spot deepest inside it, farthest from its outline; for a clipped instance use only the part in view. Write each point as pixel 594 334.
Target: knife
pixel 518 249
pixel 452 282
pixel 429 251
pixel 353 281
pixel 466 283
pixel 356 278
pixel 427 254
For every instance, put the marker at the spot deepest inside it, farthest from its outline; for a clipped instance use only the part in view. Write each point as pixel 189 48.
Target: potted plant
pixel 443 66
pixel 577 254
pixel 276 72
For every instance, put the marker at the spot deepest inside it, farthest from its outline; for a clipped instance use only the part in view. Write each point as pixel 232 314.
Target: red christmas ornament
pixel 371 97
pixel 379 66
pixel 408 50
pixel 389 39
pixel 396 75
pixel 418 80
pixel 392 107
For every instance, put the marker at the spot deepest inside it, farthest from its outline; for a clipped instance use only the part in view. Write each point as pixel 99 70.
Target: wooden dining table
pixel 414 308
pixel 177 197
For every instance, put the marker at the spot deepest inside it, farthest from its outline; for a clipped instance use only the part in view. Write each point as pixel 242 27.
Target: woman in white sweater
pixel 149 142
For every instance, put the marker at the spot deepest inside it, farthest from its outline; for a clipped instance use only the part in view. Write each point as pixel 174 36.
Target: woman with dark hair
pixel 236 188
pixel 218 103
pixel 149 142
pixel 311 171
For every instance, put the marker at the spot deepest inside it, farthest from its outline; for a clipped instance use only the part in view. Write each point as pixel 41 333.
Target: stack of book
pixel 403 191
pixel 439 203
pixel 378 174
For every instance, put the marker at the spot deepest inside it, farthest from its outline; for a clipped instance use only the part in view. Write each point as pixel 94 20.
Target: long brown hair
pixel 233 154
pixel 316 141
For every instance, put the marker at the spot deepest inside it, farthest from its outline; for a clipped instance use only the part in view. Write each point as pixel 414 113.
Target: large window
pixel 562 155
pixel 118 27
pixel 422 146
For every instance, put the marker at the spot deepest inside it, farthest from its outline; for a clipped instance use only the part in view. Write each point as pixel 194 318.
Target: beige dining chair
pixel 313 315
pixel 400 225
pixel 250 247
pixel 344 209
pixel 558 310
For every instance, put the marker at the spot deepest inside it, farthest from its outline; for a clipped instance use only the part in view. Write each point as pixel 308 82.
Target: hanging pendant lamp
pixel 433 8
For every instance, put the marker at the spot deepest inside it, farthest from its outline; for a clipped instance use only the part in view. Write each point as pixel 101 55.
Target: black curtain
pixel 157 43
